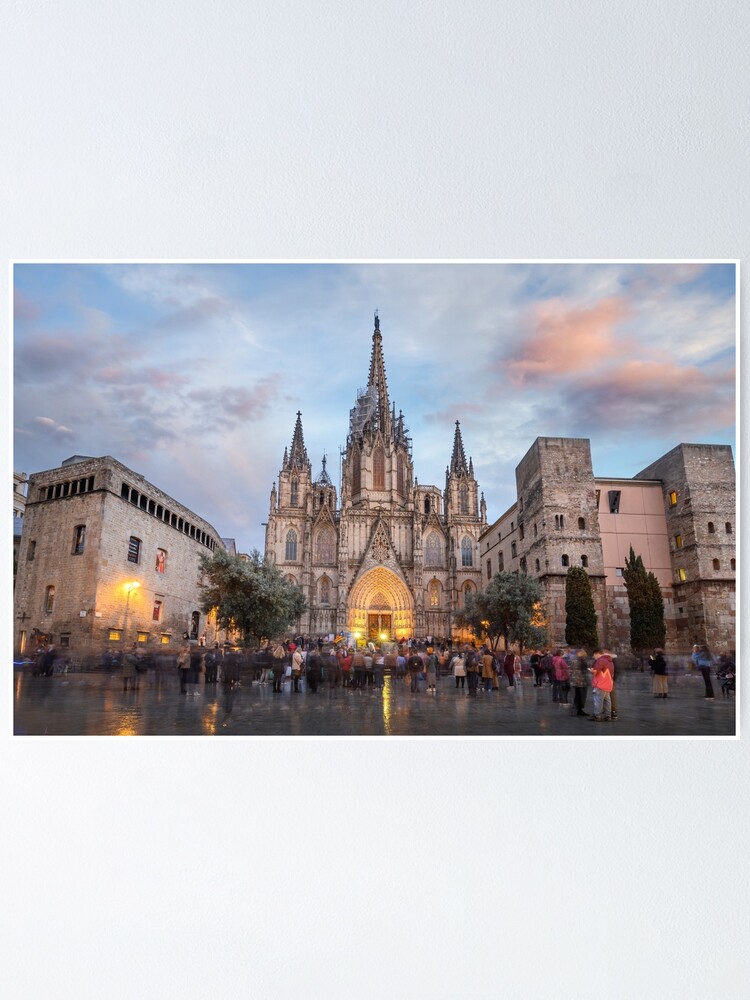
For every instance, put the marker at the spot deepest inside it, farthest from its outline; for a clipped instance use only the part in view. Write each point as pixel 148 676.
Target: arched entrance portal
pixel 381 604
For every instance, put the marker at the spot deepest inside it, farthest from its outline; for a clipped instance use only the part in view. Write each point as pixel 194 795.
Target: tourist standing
pixel 458 669
pixel 414 666
pixel 702 660
pixel 579 678
pixel 561 685
pixel 509 667
pixel 298 661
pixel 659 670
pixel 129 669
pixel 183 666
pixel 431 666
pixel 488 669
pixel 535 661
pixel 471 661
pixel 602 682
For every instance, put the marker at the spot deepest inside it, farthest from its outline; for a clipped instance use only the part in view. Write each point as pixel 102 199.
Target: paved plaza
pixel 94 704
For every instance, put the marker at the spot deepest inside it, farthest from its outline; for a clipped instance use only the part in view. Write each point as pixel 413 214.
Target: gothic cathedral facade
pixel 394 558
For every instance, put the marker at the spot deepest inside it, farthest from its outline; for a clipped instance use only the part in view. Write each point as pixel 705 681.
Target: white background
pixel 438 869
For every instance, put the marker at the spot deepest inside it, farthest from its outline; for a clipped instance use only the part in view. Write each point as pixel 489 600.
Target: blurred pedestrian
pixel 659 671
pixel 602 682
pixel 702 660
pixel 579 679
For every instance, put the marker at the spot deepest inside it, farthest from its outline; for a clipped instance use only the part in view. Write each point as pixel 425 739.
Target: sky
pixel 192 374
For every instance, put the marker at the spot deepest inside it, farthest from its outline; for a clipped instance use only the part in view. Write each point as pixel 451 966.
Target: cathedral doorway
pixel 379 626
pixel 380 602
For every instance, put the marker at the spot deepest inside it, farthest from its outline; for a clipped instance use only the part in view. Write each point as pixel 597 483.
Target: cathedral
pixel 390 558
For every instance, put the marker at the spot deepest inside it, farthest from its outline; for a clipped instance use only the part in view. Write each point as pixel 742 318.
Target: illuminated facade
pixel 394 557
pixel 107 559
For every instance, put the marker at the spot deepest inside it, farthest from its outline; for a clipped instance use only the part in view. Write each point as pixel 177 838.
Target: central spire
pixel 458 465
pixel 377 379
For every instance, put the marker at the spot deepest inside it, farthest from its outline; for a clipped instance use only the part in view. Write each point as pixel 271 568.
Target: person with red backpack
pixel 603 672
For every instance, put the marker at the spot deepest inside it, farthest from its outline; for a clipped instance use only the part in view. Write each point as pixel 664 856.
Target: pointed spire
pixel 324 477
pixel 458 459
pixel 297 457
pixel 377 379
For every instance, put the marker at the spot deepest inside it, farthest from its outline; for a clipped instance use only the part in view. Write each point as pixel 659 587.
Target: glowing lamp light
pixel 129 587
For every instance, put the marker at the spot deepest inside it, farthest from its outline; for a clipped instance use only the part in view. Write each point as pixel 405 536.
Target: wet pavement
pixel 94 704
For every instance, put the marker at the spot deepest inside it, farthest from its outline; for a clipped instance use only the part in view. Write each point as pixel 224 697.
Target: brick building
pixel 679 515
pixel 107 559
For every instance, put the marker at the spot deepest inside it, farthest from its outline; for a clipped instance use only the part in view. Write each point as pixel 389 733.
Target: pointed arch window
pixel 356 472
pixel 325 546
pixel 434 594
pixel 463 499
pixel 433 550
pixel 467 552
pixel 294 498
pixel 400 476
pixel 325 590
pixel 291 545
pixel 467 590
pixel 378 469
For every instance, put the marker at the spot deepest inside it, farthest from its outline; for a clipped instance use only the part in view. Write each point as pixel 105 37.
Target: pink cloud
pixel 563 338
pixel 24 308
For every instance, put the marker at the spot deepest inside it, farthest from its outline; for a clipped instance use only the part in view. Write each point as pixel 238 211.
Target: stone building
pixel 679 515
pixel 107 559
pixel 393 557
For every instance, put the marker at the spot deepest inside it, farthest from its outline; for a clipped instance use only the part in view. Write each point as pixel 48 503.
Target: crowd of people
pixel 472 670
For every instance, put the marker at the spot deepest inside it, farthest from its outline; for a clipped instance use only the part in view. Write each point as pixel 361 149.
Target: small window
pixel 49 600
pixel 678 541
pixel 585 562
pixel 79 539
pixel 523 564
pixel 501 563
pixel 65 639
pixel 115 635
pixel 513 551
pixel 157 611
pixel 581 523
pixel 489 569
pixel 537 566
pixel 682 575
pixel 598 497
pixel 565 560
pixel 31 551
pixel 733 564
pixel 134 549
pixel 143 637
pixel 711 527
pixel 614 501
pixel 673 498
pixel 521 533
pixel 618 571
pixel 161 561
pixel 717 564
pixel 536 532
pixel 728 527
pixel 165 640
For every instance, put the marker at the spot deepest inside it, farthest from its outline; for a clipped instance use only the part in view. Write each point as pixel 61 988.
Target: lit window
pixel 682 575
pixel 143 637
pixel 678 541
pixel 673 498
pixel 134 549
pixel 79 539
pixel 115 635
pixel 165 640
pixel 49 599
pixel 434 594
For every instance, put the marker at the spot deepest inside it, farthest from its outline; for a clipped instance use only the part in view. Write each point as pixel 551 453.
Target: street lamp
pixel 129 588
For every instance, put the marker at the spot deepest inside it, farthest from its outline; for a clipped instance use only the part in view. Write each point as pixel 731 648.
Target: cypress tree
pixel 647 627
pixel 580 614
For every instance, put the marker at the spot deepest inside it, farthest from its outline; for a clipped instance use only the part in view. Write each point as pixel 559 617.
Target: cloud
pixel 24 308
pixel 562 337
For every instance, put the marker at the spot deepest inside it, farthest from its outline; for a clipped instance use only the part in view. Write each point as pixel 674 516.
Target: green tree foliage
pixel 250 596
pixel 647 628
pixel 580 614
pixel 510 607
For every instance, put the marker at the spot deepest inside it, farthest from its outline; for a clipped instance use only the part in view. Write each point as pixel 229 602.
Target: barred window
pixel 378 469
pixel 134 549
